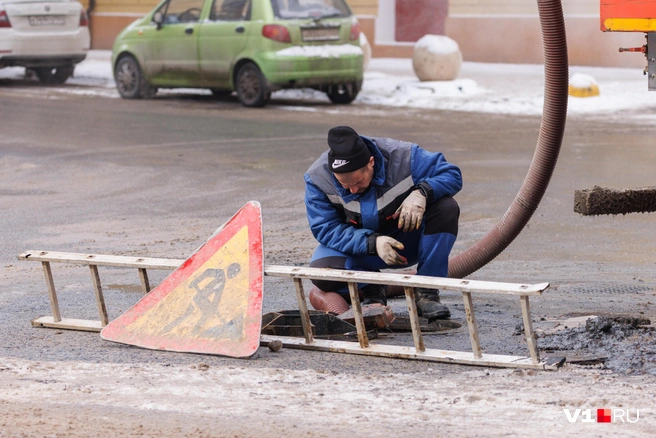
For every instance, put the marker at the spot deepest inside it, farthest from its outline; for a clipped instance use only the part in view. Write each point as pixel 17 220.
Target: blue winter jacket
pixel 349 222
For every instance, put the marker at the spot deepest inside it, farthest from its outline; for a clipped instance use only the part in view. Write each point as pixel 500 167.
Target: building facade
pixel 505 31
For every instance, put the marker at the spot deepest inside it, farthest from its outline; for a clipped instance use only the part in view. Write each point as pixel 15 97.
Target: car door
pixel 222 37
pixel 172 56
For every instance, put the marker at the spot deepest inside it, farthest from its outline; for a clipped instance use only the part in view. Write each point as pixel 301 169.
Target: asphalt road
pixel 156 178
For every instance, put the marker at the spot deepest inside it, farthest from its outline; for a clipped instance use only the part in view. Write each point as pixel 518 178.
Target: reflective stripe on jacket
pixel 343 221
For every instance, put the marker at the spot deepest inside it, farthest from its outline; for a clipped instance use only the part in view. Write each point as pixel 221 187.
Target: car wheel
pixel 54 75
pixel 343 94
pixel 250 86
pixel 130 81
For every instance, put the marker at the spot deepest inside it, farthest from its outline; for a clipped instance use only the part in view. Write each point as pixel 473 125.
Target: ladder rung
pixel 298 274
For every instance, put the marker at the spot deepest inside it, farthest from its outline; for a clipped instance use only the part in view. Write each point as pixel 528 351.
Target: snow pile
pixel 482 87
pixel 581 80
pixel 437 44
pixel 382 89
pixel 94 67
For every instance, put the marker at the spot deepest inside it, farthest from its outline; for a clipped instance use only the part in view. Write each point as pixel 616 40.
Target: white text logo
pixel 603 415
pixel 339 163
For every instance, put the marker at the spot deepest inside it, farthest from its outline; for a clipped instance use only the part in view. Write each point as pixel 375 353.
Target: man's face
pixel 357 181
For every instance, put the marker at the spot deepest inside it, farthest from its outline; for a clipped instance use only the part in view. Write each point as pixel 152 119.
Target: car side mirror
pixel 158 19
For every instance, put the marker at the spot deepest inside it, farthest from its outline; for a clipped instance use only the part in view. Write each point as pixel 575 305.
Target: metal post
pixel 52 294
pixel 302 307
pixel 100 300
pixel 143 276
pixel 414 319
pixel 357 314
pixel 471 322
pixel 528 329
pixel 651 60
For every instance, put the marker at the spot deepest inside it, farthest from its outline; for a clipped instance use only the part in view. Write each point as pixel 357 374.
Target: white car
pixel 47 37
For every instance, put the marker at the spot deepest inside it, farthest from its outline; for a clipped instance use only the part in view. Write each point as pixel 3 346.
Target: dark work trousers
pixel 428 247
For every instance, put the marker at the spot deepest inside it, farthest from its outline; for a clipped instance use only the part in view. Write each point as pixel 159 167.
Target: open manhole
pixel 328 326
pixel 324 325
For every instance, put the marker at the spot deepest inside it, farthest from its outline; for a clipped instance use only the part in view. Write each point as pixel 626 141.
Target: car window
pixel 181 11
pixel 286 9
pixel 231 10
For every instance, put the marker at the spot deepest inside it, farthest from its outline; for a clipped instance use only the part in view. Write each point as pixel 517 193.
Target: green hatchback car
pixel 252 47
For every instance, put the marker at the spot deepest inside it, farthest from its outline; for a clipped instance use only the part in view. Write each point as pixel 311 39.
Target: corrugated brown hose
pixel 546 153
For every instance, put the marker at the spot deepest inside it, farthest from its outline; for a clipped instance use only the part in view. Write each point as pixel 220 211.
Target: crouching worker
pixel 375 203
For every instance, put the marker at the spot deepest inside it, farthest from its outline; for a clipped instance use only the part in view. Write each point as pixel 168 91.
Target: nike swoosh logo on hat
pixel 339 163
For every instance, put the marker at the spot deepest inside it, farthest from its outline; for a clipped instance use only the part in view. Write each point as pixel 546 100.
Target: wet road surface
pixel 156 178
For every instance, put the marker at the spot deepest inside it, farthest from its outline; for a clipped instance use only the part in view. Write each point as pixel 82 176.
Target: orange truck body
pixel 633 16
pixel 628 15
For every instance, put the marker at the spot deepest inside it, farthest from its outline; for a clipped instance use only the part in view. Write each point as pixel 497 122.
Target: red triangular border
pixel 250 216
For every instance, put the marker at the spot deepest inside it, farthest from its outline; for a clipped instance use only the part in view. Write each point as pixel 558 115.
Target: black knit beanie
pixel 347 150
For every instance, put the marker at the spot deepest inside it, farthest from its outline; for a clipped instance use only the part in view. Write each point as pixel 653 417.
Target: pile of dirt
pixel 624 344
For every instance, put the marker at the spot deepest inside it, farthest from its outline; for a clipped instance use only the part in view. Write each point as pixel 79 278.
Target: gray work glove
pixel 386 249
pixel 411 211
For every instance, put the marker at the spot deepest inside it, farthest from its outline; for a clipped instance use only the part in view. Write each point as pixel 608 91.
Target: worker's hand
pixel 411 212
pixel 386 249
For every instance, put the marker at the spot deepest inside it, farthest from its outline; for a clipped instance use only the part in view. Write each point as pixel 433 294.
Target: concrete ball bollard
pixel 436 58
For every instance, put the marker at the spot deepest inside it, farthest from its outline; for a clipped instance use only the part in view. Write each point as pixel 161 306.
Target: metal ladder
pixel 298 274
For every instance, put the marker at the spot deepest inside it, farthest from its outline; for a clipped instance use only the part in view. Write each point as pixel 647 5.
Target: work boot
pixel 429 306
pixel 374 294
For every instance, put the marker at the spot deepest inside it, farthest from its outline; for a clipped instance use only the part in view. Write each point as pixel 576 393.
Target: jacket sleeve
pixel 432 173
pixel 327 224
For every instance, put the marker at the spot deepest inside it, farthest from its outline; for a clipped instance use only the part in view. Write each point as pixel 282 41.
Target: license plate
pixel 321 34
pixel 47 20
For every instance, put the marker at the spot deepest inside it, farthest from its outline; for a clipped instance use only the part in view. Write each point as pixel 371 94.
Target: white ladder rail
pixel 298 274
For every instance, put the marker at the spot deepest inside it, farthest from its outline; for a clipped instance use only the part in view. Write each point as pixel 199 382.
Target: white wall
pixel 386 22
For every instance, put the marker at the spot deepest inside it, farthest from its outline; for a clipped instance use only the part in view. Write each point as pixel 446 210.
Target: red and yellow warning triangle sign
pixel 211 304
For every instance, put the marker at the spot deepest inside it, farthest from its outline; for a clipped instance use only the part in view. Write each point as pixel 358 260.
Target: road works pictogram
pixel 211 304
